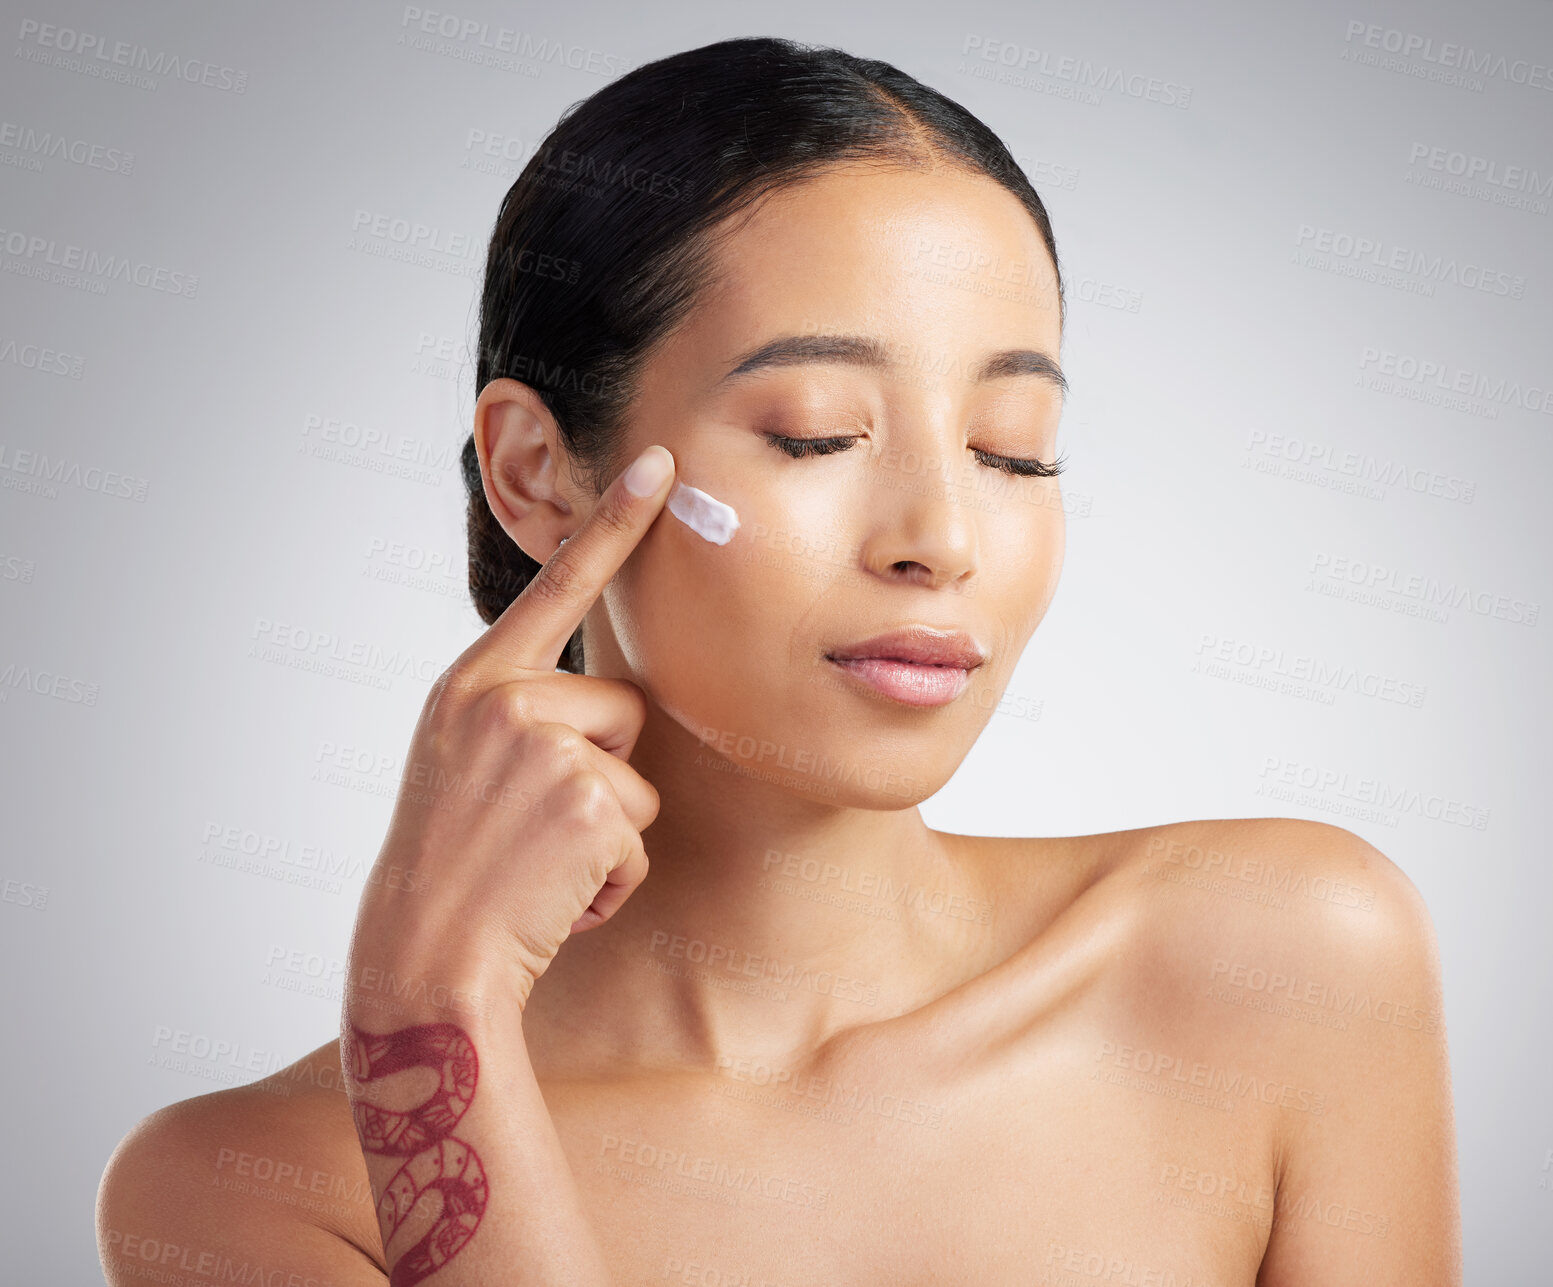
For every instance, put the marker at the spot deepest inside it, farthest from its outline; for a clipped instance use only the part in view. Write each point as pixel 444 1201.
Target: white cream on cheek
pixel 703 514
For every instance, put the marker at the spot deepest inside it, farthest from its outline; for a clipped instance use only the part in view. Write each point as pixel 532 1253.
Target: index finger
pixel 533 630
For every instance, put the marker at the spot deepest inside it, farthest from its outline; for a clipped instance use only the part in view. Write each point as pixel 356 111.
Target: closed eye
pixel 1021 466
pixel 801 447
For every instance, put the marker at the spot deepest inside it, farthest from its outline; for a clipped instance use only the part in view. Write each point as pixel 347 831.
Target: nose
pixel 918 533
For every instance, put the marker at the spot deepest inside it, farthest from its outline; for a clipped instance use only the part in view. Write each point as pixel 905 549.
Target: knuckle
pixel 567 742
pixel 457 679
pixel 592 798
pixel 442 715
pixel 562 745
pixel 512 708
pixel 449 690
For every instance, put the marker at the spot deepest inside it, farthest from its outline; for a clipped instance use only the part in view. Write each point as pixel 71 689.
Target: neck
pixel 771 918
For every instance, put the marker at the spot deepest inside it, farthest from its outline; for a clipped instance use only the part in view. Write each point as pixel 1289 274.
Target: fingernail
pixel 648 471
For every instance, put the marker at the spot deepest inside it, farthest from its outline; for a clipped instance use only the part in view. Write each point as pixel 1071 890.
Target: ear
pixel 524 467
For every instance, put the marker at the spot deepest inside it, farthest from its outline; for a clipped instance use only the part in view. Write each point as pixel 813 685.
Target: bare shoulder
pixel 1306 889
pixel 1299 913
pixel 253 1182
pixel 1273 873
pixel 1297 919
pixel 1306 958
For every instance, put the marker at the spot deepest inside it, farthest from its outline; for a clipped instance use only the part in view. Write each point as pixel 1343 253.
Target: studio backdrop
pixel 1309 264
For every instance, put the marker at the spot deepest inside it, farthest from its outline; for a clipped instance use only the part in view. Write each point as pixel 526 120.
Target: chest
pixel 1064 1165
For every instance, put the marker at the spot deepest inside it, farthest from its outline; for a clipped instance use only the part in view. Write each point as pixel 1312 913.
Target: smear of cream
pixel 704 515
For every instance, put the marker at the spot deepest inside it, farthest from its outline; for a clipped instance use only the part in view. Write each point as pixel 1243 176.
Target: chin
pixel 809 759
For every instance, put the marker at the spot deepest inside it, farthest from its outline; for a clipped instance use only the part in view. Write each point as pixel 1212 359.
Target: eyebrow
pixel 866 350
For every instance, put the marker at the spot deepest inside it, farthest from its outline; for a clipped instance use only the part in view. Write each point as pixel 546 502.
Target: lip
pixel 915 665
pixel 919 645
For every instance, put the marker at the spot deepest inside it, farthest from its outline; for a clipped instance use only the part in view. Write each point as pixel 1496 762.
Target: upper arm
pixel 1367 1189
pixel 174 1198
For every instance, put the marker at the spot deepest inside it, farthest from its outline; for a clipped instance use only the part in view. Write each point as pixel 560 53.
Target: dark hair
pixel 604 242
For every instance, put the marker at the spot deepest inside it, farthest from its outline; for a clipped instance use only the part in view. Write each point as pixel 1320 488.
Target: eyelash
pixel 1019 466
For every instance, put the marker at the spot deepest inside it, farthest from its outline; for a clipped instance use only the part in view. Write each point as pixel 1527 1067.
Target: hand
pixel 518 813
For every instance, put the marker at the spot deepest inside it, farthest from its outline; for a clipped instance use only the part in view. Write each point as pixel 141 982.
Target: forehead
pixel 942 265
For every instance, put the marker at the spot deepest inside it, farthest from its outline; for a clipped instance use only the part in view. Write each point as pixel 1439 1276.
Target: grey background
pixel 1198 332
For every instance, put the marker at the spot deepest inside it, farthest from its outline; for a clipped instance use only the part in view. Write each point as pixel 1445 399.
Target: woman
pixel 811 309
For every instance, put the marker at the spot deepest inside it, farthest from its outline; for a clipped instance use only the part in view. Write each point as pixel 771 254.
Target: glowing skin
pixel 905 525
pixel 1026 1032
pixel 909 523
pixel 756 741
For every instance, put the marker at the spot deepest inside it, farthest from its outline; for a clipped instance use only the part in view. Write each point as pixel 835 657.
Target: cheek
pixel 790 550
pixel 1044 536
pixel 709 627
pixel 1023 547
pixel 729 636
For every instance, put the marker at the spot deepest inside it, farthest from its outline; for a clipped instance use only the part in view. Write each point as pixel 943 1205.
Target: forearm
pixel 470 1178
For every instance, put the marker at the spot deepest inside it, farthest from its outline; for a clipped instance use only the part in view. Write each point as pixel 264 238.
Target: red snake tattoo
pixel 423 1135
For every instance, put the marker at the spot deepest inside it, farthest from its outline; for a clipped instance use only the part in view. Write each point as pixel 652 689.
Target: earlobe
pixel 522 466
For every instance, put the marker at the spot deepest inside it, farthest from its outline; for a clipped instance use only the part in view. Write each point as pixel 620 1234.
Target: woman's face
pixel 942 272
